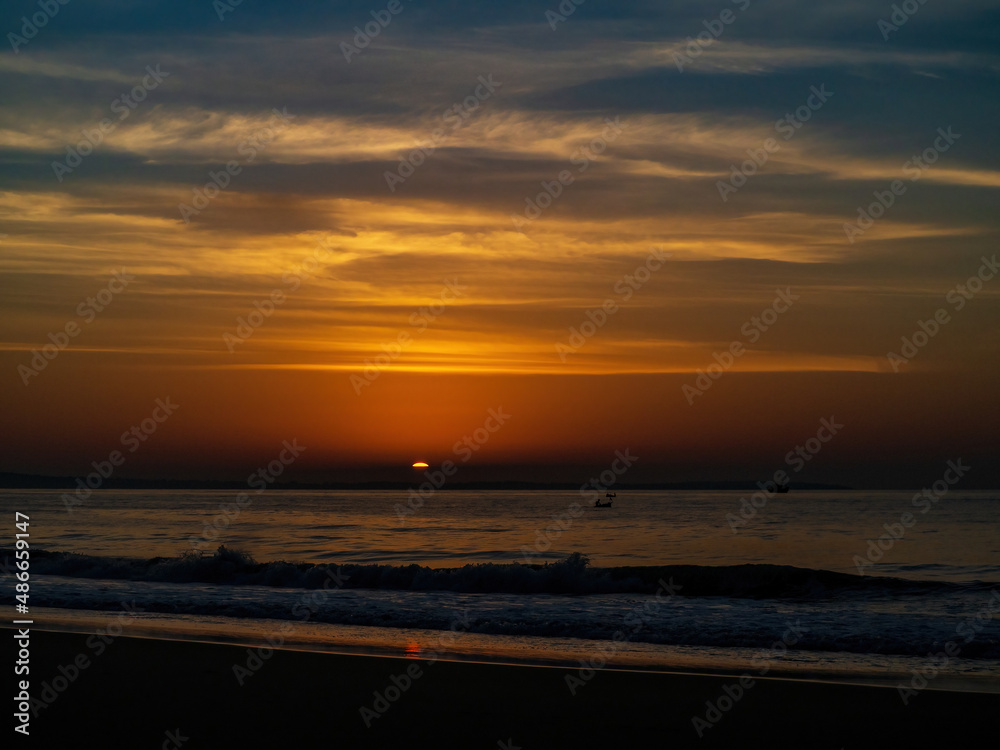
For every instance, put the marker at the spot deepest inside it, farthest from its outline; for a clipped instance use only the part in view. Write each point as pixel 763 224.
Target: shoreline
pixel 519 651
pixel 217 696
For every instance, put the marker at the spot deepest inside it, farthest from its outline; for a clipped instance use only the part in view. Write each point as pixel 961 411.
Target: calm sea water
pixel 949 555
pixel 957 539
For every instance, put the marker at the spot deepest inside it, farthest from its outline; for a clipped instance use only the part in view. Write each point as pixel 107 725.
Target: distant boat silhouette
pixel 611 498
pixel 773 486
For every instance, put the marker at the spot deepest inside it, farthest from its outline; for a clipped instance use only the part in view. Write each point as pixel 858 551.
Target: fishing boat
pixel 611 498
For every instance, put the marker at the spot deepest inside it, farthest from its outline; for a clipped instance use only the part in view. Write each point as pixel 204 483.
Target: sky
pixel 520 237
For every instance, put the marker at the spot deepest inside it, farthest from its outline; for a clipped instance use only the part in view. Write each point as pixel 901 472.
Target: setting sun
pixel 695 305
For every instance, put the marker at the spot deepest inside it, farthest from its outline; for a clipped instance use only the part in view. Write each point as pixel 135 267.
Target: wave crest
pixel 570 576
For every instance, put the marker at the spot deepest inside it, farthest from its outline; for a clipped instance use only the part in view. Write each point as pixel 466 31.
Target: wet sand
pixel 143 693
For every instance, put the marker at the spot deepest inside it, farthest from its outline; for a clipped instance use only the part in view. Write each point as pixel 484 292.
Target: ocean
pixel 888 588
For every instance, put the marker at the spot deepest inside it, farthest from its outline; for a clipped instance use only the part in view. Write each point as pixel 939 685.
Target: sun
pixel 420 465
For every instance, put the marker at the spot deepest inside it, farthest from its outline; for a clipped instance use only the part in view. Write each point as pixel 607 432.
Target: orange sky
pixel 586 325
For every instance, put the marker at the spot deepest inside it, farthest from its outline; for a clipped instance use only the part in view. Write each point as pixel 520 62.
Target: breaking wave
pixel 571 576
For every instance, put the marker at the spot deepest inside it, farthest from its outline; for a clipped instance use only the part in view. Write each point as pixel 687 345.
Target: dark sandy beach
pixel 144 693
